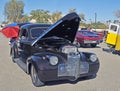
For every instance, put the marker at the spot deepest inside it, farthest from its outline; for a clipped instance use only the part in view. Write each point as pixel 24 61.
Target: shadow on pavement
pixel 67 81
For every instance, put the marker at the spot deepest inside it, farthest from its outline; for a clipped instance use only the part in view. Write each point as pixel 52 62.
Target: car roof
pixel 21 24
pixel 29 25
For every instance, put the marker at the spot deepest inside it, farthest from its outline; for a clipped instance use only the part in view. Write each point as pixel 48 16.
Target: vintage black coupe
pixel 46 52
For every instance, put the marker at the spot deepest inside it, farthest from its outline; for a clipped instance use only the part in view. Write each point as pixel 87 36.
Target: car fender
pixel 87 56
pixel 32 60
pixel 40 59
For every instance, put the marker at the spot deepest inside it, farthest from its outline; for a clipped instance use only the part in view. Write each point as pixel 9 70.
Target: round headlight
pixel 53 60
pixel 93 58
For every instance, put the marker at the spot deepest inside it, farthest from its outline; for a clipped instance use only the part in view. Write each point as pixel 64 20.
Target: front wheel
pixel 35 79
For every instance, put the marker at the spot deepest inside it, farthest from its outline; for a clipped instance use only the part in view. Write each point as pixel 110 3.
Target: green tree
pixel 117 13
pixel 24 18
pixel 98 25
pixel 55 17
pixel 116 21
pixel 72 10
pixel 82 17
pixel 13 10
pixel 108 22
pixel 40 15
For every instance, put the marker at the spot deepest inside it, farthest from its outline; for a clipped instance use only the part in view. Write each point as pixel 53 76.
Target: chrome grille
pixel 71 67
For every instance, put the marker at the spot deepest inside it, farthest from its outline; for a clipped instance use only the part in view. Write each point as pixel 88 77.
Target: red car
pixel 85 37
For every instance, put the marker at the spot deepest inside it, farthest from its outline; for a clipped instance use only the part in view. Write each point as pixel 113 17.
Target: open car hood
pixel 65 28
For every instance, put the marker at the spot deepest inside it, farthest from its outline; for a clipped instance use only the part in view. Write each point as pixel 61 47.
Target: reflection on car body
pixel 52 55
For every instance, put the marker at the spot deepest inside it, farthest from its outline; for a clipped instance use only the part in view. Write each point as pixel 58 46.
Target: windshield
pixel 37 31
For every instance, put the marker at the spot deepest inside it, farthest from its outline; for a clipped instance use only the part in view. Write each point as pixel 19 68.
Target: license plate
pixel 94 41
pixel 90 41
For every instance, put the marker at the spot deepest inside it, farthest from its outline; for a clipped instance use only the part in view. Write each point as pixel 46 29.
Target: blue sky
pixel 103 8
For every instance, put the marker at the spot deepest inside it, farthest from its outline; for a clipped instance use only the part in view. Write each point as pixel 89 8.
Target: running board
pixel 21 64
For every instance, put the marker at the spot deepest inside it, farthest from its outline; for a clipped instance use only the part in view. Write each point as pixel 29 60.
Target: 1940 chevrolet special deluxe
pixel 46 52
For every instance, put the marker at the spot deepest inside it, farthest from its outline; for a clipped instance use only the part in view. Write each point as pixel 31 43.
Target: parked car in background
pixel 85 37
pixel 100 33
pixel 47 53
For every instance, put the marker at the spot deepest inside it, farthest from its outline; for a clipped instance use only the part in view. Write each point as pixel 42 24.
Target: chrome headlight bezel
pixel 93 58
pixel 53 60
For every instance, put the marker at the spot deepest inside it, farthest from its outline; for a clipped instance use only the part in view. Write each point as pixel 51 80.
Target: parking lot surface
pixel 13 78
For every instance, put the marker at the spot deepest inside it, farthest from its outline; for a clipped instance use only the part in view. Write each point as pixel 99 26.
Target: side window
pixel 114 28
pixel 24 34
